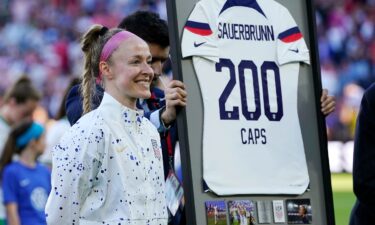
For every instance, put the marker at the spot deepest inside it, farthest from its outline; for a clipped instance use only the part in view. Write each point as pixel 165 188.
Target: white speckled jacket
pixel 108 169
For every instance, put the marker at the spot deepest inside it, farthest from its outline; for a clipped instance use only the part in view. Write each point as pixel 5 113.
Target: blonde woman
pixel 108 168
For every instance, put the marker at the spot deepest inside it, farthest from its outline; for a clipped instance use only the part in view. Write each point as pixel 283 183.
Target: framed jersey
pixel 252 130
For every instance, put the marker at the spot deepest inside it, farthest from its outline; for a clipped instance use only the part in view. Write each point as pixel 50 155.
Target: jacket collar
pixel 114 110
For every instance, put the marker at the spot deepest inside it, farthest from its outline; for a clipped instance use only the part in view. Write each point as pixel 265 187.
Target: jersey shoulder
pixel 275 12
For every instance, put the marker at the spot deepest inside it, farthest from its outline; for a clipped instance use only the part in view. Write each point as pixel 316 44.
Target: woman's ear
pixel 105 70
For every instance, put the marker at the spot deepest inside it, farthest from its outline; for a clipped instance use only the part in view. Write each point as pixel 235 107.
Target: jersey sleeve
pixel 199 38
pixel 9 185
pixel 75 167
pixel 291 47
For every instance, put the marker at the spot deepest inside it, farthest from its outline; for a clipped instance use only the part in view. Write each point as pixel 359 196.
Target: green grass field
pixel 219 222
pixel 343 197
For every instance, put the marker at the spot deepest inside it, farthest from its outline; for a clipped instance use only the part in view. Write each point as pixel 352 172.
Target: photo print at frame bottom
pixel 299 211
pixel 216 212
pixel 242 212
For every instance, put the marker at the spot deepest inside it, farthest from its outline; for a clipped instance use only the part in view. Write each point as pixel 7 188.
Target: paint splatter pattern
pixel 106 171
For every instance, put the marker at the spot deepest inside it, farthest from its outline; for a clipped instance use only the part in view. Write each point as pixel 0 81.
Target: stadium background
pixel 39 38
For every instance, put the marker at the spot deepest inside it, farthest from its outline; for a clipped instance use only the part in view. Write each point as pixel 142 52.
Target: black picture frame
pixel 175 23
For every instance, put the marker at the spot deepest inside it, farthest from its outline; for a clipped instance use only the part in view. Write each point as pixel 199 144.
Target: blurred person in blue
pixel 25 182
pixel 161 108
pixel 108 167
pixel 19 102
pixel 364 162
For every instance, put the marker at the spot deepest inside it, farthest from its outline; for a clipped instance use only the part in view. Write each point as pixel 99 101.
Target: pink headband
pixel 111 45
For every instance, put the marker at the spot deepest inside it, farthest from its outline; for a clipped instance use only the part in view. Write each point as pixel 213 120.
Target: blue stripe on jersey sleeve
pixel 197 25
pixel 289 32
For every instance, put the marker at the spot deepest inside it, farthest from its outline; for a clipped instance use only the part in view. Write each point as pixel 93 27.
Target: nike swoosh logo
pixel 24 182
pixel 199 44
pixel 294 50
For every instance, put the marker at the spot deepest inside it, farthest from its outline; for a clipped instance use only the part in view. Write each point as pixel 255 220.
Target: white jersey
pixel 246 56
pixel 108 169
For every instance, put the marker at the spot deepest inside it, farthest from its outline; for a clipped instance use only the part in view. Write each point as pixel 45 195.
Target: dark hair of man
pixel 148 26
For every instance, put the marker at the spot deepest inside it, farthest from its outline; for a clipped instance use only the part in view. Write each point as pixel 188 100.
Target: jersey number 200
pixel 255 114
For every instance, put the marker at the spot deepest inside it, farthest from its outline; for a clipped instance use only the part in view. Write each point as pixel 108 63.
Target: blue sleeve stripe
pixel 289 32
pixel 197 25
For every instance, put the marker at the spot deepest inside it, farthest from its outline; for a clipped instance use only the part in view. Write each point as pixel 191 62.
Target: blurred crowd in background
pixel 346 34
pixel 39 39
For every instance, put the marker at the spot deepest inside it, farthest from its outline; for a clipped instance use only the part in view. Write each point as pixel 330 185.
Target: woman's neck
pixel 131 103
pixel 28 157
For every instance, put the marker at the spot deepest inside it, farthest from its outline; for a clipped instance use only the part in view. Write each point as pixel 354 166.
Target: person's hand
pixel 175 96
pixel 328 102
